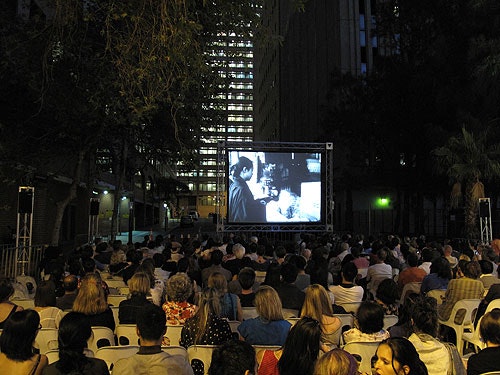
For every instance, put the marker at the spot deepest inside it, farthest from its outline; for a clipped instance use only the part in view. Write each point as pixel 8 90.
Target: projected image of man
pixel 243 207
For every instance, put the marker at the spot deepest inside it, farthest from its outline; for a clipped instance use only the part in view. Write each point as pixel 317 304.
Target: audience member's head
pixel 268 303
pixel 316 303
pixel 45 294
pixel 472 270
pixel 336 362
pixel 70 283
pixel 381 255
pixel 289 273
pixel 490 327
pixel 349 272
pixel 139 284
pixel 217 281
pixel 246 278
pixel 151 323
pixel 90 299
pixel 216 257
pixel 442 268
pixel 6 289
pixel 19 333
pixel 370 317
pixel 179 287
pixel 412 260
pixel 486 267
pixel 424 316
pixel 74 331
pixel 239 251
pixel 235 357
pixel 397 355
pixel 387 291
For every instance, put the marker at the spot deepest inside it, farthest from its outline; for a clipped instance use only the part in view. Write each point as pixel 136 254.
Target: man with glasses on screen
pixel 242 204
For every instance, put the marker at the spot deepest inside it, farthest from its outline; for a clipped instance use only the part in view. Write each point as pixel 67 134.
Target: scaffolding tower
pixel 485 220
pixel 25 202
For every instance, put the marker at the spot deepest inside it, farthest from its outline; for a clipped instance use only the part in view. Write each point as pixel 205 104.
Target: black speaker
pixel 94 207
pixel 25 202
pixel 484 209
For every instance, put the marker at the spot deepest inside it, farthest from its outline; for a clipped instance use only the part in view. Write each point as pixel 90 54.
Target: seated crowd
pixel 291 296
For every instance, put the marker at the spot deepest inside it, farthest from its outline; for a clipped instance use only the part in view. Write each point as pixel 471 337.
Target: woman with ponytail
pixel 74 331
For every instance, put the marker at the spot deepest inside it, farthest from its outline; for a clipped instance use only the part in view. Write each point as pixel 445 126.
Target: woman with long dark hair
pixel 16 345
pixel 74 331
pixel 397 356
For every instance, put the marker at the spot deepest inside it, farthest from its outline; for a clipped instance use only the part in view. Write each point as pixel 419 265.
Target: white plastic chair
pixel 249 313
pixel 474 338
pixel 99 333
pixel 470 307
pixel 202 353
pixel 409 288
pixel 390 320
pixel 260 276
pixel 126 334
pixel 351 307
pixel 115 310
pixel 366 350
pixel 115 299
pixel 290 313
pixel 52 356
pixel 174 334
pixel 115 283
pixel 46 340
pixel 111 354
pixel 438 294
pixel 24 303
pixel 266 347
pixel 495 304
pixel 292 321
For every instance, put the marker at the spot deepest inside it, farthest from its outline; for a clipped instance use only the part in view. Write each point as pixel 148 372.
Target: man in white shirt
pixel 378 272
pixel 347 291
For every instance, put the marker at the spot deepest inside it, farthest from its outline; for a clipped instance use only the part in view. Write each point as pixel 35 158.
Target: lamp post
pixel 130 220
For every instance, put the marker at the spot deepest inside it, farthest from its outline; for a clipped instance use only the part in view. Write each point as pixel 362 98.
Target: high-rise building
pixel 232 56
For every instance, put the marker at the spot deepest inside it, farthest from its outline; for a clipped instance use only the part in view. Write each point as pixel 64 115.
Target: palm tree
pixel 468 160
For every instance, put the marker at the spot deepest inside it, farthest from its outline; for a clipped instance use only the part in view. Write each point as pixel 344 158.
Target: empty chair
pixel 461 318
pixel 174 334
pixel 201 353
pixel 126 334
pixel 101 336
pixel 366 350
pixel 46 340
pixel 111 354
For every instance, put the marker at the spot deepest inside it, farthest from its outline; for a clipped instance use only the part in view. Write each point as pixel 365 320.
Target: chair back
pixel 126 334
pixel 266 347
pixel 366 350
pixel 46 340
pixel 461 318
pixel 292 321
pixel 202 353
pixel 101 336
pixel 474 337
pixel 495 304
pixel 351 307
pixel 260 276
pixel 249 313
pixel 438 294
pixel 290 313
pixel 408 289
pixel 111 354
pixel 174 334
pixel 234 324
pixel 52 356
pixel 115 310
pixel 115 299
pixel 24 303
pixel 389 321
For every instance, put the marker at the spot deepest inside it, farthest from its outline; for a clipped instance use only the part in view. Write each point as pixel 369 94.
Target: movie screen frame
pixel 283 186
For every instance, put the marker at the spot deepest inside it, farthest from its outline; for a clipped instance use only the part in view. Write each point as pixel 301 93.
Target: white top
pixel 346 295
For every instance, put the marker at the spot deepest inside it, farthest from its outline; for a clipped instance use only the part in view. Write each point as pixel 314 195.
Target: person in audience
pixel 269 328
pixel 234 265
pixel 206 327
pixel 378 272
pixel 404 326
pixel 411 274
pixel 45 305
pixel 427 258
pixel 177 308
pixel 447 252
pixel 303 279
pixel 336 362
pixel 439 277
pixel 317 306
pixel 467 287
pixel 216 260
pixel 370 324
pixel 139 286
pixel 388 296
pixel 16 345
pixel 493 293
pixel 157 286
pixel 233 358
pixel 291 296
pixel 7 308
pixel 91 302
pixel 134 258
pixel 70 285
pixel 347 291
pixel 438 357
pixel 487 277
pixel 230 303
pixel 74 331
pixel 299 353
pixel 246 279
pixel 261 264
pixel 397 356
pixel 150 359
pixel 488 359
